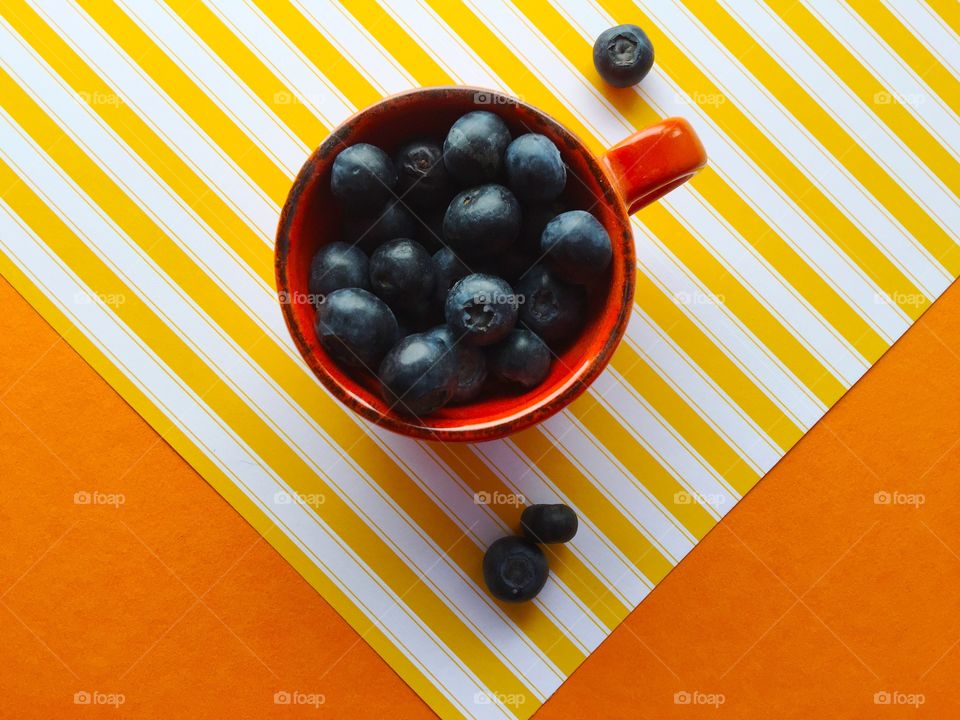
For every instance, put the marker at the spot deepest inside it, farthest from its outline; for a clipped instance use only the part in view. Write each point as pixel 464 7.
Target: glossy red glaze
pixel 640 169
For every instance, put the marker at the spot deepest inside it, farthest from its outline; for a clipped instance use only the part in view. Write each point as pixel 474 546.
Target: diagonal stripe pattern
pixel 147 149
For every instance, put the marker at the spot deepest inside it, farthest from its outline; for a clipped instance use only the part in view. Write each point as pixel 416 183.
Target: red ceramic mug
pixel 627 177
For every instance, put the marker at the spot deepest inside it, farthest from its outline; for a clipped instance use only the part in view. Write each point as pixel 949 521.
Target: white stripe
pixel 187 412
pixel 158 111
pixel 627 493
pixel 715 320
pixel 469 602
pixel 935 34
pixel 660 440
pixel 908 88
pixel 595 551
pixel 354 42
pixel 219 83
pixel 884 147
pixel 716 408
pixel 286 61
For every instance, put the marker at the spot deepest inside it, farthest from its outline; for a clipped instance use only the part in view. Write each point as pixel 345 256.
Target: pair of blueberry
pixel 514 567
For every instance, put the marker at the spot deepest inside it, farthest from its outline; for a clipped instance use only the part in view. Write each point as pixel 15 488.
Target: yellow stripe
pixel 191 98
pixel 313 45
pixel 199 193
pixel 231 489
pixel 574 573
pixel 542 453
pixel 948 11
pixel 205 382
pixel 770 240
pixel 648 473
pixel 214 299
pixel 847 150
pixel 911 50
pixel 845 65
pixel 394 39
pixel 274 92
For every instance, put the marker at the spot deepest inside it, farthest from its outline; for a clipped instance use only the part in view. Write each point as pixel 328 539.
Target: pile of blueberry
pixel 515 568
pixel 460 271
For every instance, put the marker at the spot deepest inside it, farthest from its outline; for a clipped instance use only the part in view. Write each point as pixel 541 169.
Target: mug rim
pixel 528 415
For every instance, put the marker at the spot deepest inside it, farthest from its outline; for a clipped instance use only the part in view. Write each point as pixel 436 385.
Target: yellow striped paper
pixel 145 151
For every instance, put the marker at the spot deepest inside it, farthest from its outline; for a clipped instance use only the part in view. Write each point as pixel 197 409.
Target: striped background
pixel 145 150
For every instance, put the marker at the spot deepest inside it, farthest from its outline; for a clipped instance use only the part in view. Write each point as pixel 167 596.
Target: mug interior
pixel 312 218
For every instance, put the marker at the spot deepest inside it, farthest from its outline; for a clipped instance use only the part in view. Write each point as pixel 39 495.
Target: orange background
pixel 807 599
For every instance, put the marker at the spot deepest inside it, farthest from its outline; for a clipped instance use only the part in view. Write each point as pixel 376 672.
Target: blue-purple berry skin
pixel 362 178
pixel 474 146
pixel 535 169
pixel 481 309
pixel 576 246
pixel 356 328
pixel 418 375
pixel 521 359
pixel 623 55
pixel 337 266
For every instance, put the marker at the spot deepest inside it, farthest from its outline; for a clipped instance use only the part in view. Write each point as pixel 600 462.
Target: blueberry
pixel 551 308
pixel 535 170
pixel 535 219
pixel 356 327
pixel 423 177
pixel 389 222
pixel 363 177
pixel 473 150
pixel 576 246
pixel 481 309
pixel 418 375
pixel 514 569
pixel 511 265
pixel 448 268
pixel 623 55
pixel 549 523
pixel 401 273
pixel 337 266
pixel 482 221
pixel 521 359
pixel 471 364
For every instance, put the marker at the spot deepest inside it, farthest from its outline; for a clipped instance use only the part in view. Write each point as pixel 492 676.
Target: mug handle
pixel 653 161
